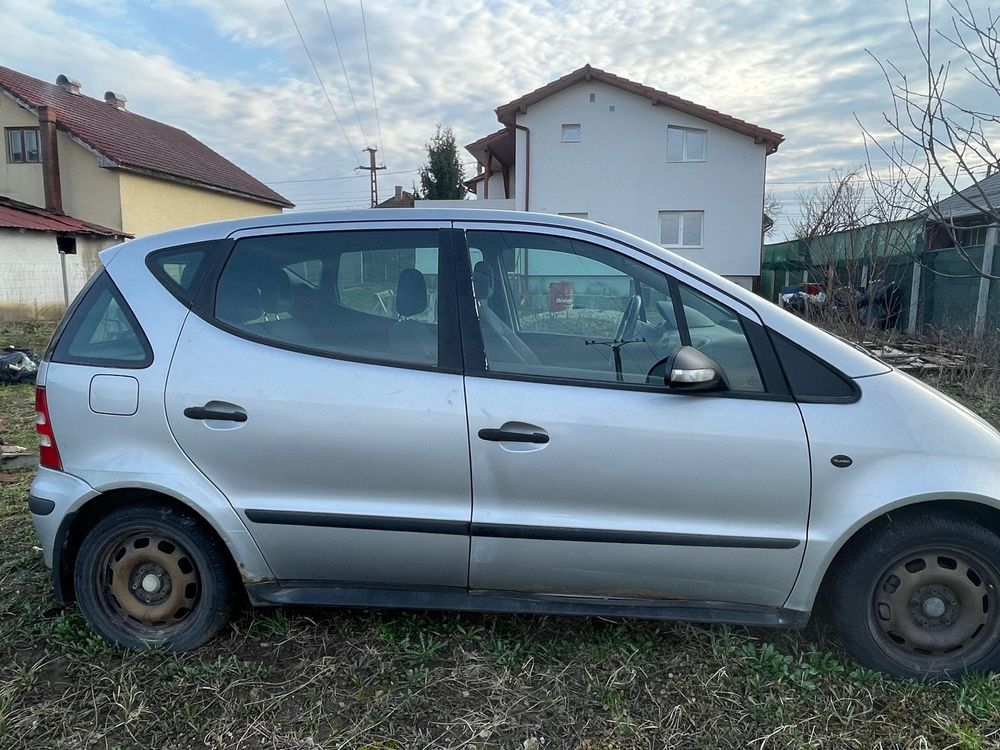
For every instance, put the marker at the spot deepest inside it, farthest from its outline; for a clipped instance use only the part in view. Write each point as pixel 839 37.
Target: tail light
pixel 48 451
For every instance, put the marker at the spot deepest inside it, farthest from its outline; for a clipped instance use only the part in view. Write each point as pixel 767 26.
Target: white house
pixel 595 145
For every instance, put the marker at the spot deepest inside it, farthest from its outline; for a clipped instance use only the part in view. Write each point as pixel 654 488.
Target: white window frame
pixel 684 145
pixel 579 132
pixel 680 228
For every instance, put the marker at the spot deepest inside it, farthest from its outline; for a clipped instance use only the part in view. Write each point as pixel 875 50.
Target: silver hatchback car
pixel 493 411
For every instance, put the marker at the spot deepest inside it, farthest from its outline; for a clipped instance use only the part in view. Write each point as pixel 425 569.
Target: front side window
pixel 22 146
pixel 566 309
pixel 685 144
pixel 359 294
pixel 681 228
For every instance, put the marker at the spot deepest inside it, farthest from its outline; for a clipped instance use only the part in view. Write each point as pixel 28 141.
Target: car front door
pixel 589 476
pixel 322 393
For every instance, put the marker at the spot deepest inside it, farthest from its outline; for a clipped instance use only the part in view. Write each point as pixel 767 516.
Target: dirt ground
pixel 304 678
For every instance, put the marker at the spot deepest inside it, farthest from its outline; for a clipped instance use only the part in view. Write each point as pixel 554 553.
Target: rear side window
pixel 368 295
pixel 101 331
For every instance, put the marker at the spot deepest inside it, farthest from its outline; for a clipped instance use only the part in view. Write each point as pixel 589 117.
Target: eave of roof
pixel 507 113
pixel 129 141
pixel 499 145
pixel 17 215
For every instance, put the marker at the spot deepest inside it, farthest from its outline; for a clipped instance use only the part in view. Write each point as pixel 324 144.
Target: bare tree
pixel 773 208
pixel 940 146
pixel 850 240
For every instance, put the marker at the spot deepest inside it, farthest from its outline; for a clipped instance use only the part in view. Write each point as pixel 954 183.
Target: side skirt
pixel 334 594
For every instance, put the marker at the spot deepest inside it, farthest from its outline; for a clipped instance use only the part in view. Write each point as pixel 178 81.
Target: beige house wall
pixel 151 205
pixel 22 182
pixel 89 192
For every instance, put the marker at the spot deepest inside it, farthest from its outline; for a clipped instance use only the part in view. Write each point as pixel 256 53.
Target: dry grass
pixel 371 679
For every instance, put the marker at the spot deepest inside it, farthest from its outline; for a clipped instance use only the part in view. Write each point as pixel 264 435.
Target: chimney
pixel 50 160
pixel 116 101
pixel 399 191
pixel 68 84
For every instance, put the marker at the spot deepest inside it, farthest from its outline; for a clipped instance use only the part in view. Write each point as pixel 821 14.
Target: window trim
pixel 24 150
pixel 684 157
pixel 474 350
pixel 102 279
pixel 449 358
pixel 579 131
pixel 680 227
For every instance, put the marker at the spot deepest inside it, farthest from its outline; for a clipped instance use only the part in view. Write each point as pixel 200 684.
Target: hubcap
pixel 935 604
pixel 149 579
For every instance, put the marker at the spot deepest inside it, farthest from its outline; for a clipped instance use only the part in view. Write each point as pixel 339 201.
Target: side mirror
pixel 688 369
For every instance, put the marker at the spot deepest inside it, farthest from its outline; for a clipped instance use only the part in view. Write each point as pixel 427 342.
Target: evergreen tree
pixel 442 178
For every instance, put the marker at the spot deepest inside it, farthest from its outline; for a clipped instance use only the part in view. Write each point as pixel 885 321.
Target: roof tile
pixel 135 142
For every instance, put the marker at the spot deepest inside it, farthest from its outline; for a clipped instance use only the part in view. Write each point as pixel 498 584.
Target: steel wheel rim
pixel 148 581
pixel 936 607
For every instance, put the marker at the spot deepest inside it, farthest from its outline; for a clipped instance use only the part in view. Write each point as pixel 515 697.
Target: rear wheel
pixel 149 576
pixel 919 596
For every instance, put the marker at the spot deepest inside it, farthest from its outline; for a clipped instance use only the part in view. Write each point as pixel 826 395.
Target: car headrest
pixel 411 293
pixel 483 282
pixel 275 288
pixel 238 300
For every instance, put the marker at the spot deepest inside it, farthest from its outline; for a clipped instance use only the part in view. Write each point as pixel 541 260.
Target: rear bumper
pixel 53 496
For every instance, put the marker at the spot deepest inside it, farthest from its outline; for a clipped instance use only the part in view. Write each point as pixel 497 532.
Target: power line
pixel 371 77
pixel 351 177
pixel 319 78
pixel 343 67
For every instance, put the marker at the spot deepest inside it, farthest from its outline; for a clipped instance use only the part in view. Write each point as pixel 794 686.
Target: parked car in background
pixel 493 411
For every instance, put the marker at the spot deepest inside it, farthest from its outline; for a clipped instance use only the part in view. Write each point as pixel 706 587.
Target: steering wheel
pixel 630 319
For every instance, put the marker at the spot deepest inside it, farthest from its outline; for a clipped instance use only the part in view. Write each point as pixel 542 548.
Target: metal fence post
pixel 984 282
pixel 911 324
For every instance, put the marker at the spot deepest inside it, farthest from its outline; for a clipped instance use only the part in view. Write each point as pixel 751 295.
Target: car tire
pixel 918 596
pixel 150 576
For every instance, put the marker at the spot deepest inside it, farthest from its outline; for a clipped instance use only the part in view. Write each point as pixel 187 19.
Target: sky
pixel 235 74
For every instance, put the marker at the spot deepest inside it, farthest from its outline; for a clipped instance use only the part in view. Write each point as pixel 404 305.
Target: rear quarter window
pixel 102 331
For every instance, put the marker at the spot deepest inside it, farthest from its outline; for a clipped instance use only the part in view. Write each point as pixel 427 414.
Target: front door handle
pixel 508 436
pixel 203 412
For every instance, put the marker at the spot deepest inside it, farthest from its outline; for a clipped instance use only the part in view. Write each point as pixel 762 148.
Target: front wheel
pixel 148 576
pixel 919 596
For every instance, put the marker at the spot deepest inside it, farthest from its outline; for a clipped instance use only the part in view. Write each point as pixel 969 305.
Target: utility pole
pixel 374 170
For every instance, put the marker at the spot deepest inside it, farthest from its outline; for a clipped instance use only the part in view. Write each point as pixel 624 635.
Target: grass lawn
pixel 377 679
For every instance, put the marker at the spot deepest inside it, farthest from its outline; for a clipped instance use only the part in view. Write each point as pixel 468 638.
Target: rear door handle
pixel 202 412
pixel 507 436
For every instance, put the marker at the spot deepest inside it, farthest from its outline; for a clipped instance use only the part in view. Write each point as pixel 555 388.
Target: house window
pixel 681 228
pixel 571 133
pixel 22 146
pixel 685 144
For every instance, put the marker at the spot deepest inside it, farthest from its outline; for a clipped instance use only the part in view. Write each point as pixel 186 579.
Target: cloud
pixel 250 92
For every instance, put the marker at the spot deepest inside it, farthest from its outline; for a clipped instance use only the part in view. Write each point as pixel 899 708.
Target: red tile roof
pixel 137 143
pixel 405 199
pixel 17 215
pixel 508 112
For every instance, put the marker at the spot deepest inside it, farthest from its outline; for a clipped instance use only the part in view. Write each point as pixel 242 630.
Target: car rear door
pixel 320 389
pixel 590 480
